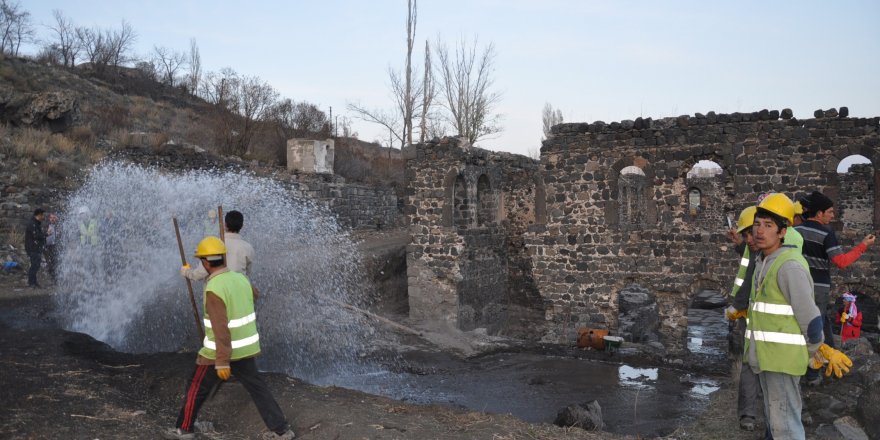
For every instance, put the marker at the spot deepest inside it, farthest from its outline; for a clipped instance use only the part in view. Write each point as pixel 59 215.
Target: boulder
pixel 586 416
pixel 849 429
pixel 57 111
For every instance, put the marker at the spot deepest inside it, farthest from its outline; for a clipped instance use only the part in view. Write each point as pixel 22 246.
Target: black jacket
pixel 34 237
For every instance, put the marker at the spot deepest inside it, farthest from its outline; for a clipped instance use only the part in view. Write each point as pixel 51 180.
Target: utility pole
pixel 331 120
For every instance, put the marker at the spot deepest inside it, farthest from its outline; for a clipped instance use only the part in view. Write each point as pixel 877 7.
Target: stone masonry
pixel 588 232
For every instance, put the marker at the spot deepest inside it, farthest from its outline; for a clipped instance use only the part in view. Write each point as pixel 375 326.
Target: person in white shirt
pixel 239 253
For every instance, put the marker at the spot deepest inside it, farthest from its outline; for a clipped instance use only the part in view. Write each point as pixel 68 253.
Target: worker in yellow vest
pixel 784 329
pixel 230 345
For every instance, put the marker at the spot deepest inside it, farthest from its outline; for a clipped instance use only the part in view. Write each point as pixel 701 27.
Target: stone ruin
pixel 497 238
pixel 310 156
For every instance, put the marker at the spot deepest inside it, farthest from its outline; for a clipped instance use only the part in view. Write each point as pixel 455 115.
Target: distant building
pixel 310 156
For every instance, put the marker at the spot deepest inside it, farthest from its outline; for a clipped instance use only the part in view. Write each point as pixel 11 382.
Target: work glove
pixel 733 314
pixel 843 317
pixel 838 363
pixel 817 361
pixel 224 373
pixel 184 269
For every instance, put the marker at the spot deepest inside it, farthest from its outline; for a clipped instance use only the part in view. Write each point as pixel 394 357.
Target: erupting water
pixel 121 284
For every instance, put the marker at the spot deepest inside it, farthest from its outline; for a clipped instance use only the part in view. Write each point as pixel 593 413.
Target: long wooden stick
pixel 222 226
pixel 192 297
pixel 376 317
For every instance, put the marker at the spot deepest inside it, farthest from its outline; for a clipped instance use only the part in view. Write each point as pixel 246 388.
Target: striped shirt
pixel 820 246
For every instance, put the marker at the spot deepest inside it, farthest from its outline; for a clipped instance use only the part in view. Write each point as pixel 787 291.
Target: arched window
pixel 855 208
pixel 694 199
pixel 631 189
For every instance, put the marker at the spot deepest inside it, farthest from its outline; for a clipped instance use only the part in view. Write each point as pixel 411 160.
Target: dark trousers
pixel 204 379
pixel 36 260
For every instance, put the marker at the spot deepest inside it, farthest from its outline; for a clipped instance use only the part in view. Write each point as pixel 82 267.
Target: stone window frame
pixel 724 177
pixel 448 216
pixel 612 206
pixel 833 179
pixel 486 204
pixel 694 210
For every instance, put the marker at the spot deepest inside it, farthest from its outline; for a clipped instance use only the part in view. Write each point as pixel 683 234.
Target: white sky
pixel 593 60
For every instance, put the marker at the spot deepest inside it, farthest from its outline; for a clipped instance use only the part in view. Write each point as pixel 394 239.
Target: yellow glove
pixel 817 361
pixel 838 363
pixel 733 314
pixel 224 373
pixel 184 269
pixel 843 317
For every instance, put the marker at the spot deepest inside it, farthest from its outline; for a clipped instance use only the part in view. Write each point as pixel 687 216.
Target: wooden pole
pixel 192 297
pixel 376 317
pixel 222 226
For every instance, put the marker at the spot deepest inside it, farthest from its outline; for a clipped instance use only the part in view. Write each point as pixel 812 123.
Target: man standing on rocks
pixel 230 346
pixel 784 329
pixel 240 253
pixel 821 249
pixel 34 242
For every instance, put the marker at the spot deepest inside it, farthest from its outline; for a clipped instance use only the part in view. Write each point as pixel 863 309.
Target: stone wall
pixel 588 253
pixel 574 232
pixel 467 209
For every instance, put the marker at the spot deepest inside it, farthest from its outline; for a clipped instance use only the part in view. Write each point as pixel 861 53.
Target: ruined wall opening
pixel 631 185
pixel 461 208
pixel 638 319
pixel 486 206
pixel 695 199
pixel 855 208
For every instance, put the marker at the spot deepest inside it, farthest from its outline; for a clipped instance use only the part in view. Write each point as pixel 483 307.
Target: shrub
pixel 31 144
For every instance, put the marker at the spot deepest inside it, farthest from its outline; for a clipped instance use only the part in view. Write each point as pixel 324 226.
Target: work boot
pixel 747 423
pixel 177 434
pixel 287 435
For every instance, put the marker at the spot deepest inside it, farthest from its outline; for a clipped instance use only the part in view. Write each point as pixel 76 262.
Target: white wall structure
pixel 310 156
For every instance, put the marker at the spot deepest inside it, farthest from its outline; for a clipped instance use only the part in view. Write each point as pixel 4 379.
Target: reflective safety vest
pixel 741 273
pixel 793 238
pixel 236 292
pixel 779 343
pixel 88 233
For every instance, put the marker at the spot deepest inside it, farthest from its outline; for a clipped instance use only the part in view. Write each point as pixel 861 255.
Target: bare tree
pixel 167 62
pixel 255 98
pixel 94 45
pixel 119 43
pixel 15 27
pixel 195 66
pixel 64 39
pixel 408 88
pixel 390 120
pixel 549 118
pixel 466 81
pixel 429 92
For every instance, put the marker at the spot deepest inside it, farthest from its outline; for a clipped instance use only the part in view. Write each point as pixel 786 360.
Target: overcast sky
pixel 593 60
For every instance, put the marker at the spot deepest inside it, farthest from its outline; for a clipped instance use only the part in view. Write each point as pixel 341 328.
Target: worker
pixel 798 213
pixel 821 249
pixel 240 254
pixel 88 227
pixel 784 330
pixel 850 318
pixel 231 343
pixel 737 312
pixel 210 225
pixel 34 242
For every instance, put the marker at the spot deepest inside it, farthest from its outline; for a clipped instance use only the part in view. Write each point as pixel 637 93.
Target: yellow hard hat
pixel 798 208
pixel 746 218
pixel 210 246
pixel 780 205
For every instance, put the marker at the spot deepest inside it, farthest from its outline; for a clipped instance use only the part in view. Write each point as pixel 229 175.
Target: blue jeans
pixel 782 405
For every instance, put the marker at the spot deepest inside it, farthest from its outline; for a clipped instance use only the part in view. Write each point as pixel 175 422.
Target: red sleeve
pixel 844 260
pixel 857 321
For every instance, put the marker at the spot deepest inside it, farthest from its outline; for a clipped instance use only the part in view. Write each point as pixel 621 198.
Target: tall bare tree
pixel 168 62
pixel 408 89
pixel 195 66
pixel 119 43
pixel 15 27
pixel 64 40
pixel 549 118
pixel 466 79
pixel 429 92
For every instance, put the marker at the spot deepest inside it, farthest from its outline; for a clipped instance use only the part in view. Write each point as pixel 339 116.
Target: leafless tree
pixel 195 66
pixel 119 43
pixel 408 88
pixel 64 40
pixel 95 46
pixel 168 62
pixel 299 119
pixel 390 120
pixel 217 88
pixel 466 79
pixel 15 27
pixel 549 118
pixel 429 92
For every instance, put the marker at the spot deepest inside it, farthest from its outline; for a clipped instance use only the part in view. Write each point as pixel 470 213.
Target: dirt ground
pixel 59 384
